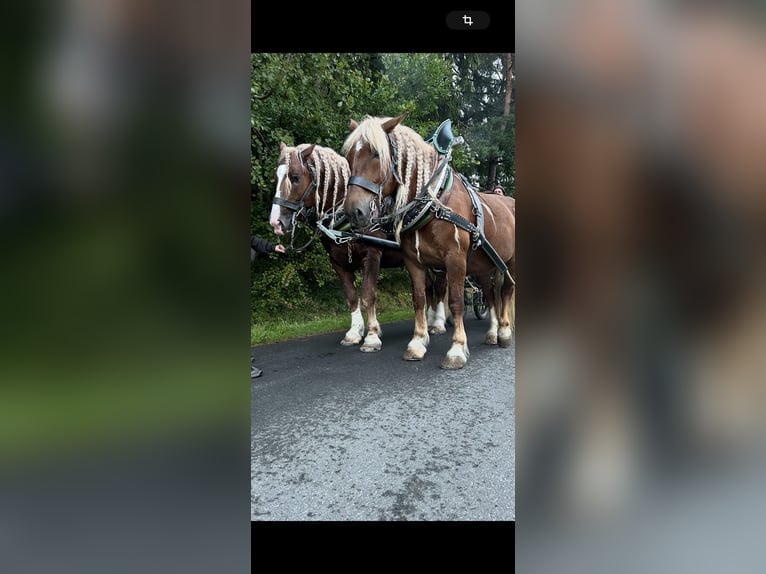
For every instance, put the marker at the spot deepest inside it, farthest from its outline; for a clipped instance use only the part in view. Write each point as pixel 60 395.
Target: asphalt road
pixel 338 434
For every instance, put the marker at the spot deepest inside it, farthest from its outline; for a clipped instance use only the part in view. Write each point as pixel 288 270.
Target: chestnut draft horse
pixel 311 187
pixel 399 180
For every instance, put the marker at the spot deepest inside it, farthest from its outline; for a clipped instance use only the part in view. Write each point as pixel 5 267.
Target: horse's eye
pixel 376 155
pixel 295 178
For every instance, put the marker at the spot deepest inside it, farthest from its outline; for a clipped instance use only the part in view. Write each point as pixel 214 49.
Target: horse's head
pixel 374 170
pixel 295 182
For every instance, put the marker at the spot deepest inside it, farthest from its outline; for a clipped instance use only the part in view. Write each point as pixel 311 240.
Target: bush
pixel 292 282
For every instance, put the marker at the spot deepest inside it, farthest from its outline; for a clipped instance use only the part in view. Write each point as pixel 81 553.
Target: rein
pixel 305 246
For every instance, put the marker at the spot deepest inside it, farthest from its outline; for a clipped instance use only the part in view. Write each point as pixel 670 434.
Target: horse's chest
pixel 424 250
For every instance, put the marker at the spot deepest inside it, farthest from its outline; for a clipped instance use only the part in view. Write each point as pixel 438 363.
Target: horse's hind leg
pixel 354 335
pixel 491 295
pixel 416 348
pixel 508 307
pixel 436 288
pixel 370 272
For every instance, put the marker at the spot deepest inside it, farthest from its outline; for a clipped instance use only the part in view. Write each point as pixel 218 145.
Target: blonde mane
pixel 331 170
pixel 416 157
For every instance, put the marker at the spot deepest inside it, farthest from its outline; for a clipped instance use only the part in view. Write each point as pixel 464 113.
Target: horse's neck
pixel 417 192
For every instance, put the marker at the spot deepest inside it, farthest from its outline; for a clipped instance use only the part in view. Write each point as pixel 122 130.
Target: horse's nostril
pixel 358 215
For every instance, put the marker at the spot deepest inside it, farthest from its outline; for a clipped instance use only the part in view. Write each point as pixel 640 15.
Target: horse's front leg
pixel 370 273
pixel 457 356
pixel 416 348
pixel 354 335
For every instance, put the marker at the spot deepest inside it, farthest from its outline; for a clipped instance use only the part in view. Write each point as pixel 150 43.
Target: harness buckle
pixel 476 243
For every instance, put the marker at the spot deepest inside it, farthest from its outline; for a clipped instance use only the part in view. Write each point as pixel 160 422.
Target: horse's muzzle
pixel 282 225
pixel 359 217
pixel 277 227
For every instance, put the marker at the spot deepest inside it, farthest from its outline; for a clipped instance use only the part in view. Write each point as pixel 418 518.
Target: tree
pixel 485 84
pixel 301 98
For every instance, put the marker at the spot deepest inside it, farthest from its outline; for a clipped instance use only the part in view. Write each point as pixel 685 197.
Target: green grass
pixel 297 326
pixel 326 311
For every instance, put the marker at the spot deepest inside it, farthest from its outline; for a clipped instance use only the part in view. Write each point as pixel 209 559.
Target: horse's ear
pixel 388 125
pixel 307 152
pixel 352 125
pixel 282 145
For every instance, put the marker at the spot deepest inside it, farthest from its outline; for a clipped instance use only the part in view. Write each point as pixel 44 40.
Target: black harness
pixel 478 238
pixel 425 206
pixel 333 224
pixel 300 208
pixel 377 188
pixel 297 206
pixel 415 214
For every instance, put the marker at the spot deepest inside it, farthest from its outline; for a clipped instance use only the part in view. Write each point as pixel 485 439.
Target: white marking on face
pixel 358 146
pixel 281 173
pixel 274 216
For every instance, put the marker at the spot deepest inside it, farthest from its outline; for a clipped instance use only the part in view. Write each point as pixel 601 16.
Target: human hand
pixel 280 248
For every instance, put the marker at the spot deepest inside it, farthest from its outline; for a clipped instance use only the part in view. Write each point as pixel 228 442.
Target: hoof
pixel 504 343
pixel 452 363
pixel 414 354
pixel 371 343
pixel 437 330
pixel 350 342
pixel 490 340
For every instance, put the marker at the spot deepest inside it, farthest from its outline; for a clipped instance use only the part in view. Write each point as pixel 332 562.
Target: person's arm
pixel 261 245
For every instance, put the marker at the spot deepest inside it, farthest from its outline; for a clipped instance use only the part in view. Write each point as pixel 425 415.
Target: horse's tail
pixel 512 310
pixel 498 290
